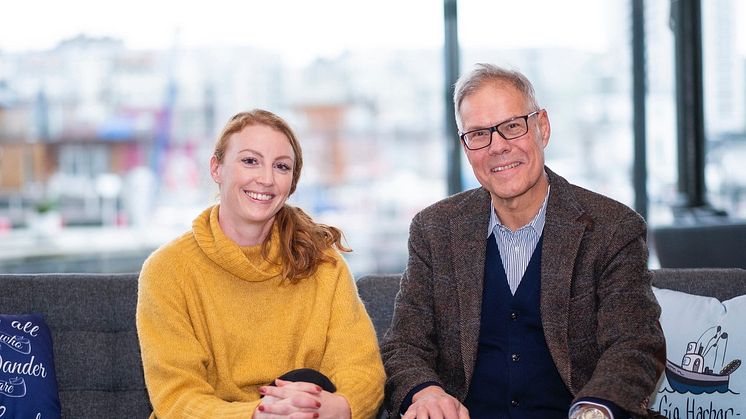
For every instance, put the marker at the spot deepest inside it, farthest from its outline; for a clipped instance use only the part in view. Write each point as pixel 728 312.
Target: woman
pixel 256 290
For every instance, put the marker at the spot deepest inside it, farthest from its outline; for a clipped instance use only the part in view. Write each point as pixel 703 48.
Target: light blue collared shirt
pixel 516 247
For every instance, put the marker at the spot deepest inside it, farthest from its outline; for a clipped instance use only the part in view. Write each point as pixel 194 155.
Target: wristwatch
pixel 588 412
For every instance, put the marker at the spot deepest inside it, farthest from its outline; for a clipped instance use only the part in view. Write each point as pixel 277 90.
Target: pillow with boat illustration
pixel 705 344
pixel 28 386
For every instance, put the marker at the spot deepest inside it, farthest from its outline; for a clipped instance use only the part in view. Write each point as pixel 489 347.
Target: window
pixel 581 76
pixel 724 72
pixel 661 112
pixel 111 116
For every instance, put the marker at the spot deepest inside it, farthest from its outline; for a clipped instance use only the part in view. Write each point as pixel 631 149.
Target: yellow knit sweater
pixel 215 322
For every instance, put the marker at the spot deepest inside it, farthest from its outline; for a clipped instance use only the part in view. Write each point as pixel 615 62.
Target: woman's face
pixel 254 177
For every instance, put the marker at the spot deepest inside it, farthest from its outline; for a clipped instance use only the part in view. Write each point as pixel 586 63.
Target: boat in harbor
pixel 692 375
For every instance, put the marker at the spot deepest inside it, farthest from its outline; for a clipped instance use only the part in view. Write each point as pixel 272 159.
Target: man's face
pixel 512 171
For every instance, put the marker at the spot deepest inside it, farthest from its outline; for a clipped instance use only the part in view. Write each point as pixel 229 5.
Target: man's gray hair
pixel 484 74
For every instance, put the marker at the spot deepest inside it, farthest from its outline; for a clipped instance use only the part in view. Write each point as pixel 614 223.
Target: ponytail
pixel 303 243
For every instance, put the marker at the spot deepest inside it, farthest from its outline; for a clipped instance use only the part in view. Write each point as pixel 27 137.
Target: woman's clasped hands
pixel 299 400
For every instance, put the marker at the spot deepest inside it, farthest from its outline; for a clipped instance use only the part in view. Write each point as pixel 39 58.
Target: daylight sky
pixel 291 26
pixel 302 29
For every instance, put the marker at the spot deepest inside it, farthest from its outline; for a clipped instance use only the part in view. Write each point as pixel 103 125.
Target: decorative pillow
pixel 28 386
pixel 705 343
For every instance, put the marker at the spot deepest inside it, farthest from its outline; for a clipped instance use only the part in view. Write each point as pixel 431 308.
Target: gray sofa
pixel 96 352
pixel 97 357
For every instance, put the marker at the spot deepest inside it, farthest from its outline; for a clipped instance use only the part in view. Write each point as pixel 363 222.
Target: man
pixel 528 297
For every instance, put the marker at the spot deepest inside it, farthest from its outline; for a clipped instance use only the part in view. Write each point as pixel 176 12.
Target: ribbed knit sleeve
pixel 175 361
pixel 352 356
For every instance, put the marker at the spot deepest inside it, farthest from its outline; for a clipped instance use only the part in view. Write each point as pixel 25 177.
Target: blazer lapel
pixel 563 232
pixel 468 247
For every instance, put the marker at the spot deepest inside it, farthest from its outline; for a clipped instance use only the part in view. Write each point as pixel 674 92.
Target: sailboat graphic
pixel 693 375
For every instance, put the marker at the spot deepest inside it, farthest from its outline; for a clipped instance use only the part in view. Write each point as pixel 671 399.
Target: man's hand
pixel 433 402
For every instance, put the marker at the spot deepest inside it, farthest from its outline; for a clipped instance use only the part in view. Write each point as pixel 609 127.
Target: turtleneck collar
pixel 246 263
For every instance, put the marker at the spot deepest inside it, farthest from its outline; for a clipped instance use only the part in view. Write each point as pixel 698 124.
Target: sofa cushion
pixel 705 343
pixel 28 385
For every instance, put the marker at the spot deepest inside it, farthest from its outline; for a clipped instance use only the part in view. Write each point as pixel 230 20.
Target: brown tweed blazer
pixel 598 310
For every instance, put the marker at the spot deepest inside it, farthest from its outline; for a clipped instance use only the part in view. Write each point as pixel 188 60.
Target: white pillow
pixel 705 343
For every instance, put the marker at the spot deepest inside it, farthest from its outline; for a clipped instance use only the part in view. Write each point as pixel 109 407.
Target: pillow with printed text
pixel 28 385
pixel 705 344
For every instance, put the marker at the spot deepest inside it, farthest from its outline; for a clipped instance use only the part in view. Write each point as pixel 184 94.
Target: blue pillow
pixel 28 385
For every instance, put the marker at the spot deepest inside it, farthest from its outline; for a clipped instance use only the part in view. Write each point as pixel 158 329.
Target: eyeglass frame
pixel 493 129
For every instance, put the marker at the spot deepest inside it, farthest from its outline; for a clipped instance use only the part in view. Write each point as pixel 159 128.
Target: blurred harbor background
pixel 105 138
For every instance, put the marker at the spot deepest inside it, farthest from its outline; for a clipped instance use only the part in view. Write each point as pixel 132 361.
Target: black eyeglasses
pixel 510 130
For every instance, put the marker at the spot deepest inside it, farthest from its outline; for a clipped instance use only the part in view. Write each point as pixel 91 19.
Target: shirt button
pixel 516 248
pixel 514 403
pixel 515 357
pixel 513 315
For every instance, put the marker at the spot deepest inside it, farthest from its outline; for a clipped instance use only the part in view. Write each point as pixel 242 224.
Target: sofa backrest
pixel 378 293
pixel 722 284
pixel 92 320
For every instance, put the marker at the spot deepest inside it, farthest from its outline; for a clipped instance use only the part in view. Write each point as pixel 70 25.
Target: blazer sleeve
pixel 409 349
pixel 629 337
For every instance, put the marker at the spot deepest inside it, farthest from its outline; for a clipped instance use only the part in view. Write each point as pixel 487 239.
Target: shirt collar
pixel 537 223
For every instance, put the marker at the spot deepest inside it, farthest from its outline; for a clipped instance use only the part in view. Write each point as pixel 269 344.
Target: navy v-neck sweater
pixel 515 376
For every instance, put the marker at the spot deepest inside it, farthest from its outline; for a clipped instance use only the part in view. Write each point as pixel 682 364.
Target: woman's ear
pixel 215 169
